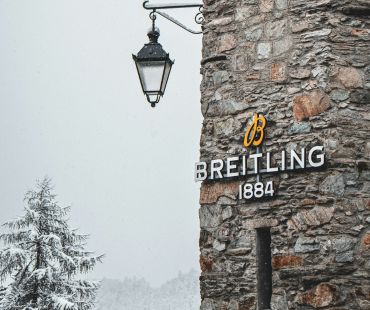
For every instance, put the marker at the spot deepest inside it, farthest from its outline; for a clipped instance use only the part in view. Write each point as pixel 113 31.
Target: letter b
pixel 200 171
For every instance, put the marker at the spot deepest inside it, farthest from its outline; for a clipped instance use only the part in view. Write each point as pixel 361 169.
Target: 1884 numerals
pixel 256 190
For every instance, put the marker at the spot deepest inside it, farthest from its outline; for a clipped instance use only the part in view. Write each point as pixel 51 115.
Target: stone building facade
pixel 304 65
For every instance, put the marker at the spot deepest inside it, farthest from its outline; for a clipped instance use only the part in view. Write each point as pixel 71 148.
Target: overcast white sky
pixel 71 108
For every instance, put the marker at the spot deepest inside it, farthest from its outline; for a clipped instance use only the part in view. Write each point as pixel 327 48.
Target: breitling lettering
pixel 259 163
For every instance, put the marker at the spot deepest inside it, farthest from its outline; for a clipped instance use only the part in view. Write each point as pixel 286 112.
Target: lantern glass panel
pixel 151 75
pixel 166 75
pixel 153 97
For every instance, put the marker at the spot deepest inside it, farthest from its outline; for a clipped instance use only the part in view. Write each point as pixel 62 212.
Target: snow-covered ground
pixel 180 293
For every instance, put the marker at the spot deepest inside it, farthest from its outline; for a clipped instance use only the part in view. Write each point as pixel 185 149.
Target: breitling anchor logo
pixel 256 131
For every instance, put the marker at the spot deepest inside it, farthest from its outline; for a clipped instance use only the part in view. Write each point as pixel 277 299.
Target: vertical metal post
pixel 258 177
pixel 264 268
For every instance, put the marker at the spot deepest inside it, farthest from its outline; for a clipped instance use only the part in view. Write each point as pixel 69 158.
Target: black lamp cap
pixel 152 51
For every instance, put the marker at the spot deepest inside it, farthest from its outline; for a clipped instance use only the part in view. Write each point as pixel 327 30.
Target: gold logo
pixel 256 131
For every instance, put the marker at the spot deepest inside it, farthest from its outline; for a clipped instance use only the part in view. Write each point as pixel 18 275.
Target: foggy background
pixel 71 108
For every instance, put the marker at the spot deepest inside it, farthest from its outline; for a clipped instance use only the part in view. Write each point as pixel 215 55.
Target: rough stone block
pixel 349 77
pixel 322 295
pixel 238 251
pixel 281 4
pixel 240 62
pixel 254 33
pixel 360 96
pixel 360 32
pixel 300 73
pixel 206 263
pixel 279 302
pixel 233 305
pixel 220 77
pixel 343 247
pixel 209 304
pixel 344 257
pixel 312 104
pixel 276 29
pixel 367 149
pixel 278 72
pixel 299 26
pixel 227 43
pixel 219 22
pixel 282 46
pixel 260 223
pixel 333 184
pixel 321 76
pixel 317 33
pixel 306 245
pixel 339 95
pixel 343 244
pixel 210 216
pixel 224 129
pixel 210 192
pixel 315 217
pixel 266 5
pixel 225 107
pixel 263 50
pixel 219 246
pixel 246 12
pixel 299 128
pixel 227 213
pixel 365 242
pixel 282 261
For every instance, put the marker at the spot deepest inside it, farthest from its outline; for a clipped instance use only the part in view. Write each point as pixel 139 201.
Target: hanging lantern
pixel 153 65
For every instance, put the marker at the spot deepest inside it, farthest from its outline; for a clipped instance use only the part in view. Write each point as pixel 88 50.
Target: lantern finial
pixel 153 35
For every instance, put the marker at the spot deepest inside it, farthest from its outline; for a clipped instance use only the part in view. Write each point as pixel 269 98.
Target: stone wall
pixel 305 65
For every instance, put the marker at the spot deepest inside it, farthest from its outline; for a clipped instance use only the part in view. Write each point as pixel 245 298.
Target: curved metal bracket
pixel 170 18
pixel 154 8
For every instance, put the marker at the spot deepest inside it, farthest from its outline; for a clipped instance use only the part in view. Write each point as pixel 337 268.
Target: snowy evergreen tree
pixel 42 257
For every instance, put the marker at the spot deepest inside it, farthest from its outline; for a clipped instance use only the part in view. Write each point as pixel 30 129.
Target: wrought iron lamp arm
pixel 148 6
pixel 154 8
pixel 170 18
